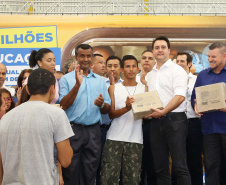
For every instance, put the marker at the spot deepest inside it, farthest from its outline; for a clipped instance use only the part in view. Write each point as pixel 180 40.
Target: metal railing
pixel 130 7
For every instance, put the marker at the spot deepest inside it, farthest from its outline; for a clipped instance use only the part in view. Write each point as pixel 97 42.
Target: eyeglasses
pixel 8 99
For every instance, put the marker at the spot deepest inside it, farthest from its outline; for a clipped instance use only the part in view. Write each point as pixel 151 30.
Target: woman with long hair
pixel 21 78
pixel 44 58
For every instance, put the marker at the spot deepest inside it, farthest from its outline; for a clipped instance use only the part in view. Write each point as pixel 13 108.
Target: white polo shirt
pixel 170 80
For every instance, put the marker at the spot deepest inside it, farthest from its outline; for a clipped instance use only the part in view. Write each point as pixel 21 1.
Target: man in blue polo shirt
pixel 213 123
pixel 84 96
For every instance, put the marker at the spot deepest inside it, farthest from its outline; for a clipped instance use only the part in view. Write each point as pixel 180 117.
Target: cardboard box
pixel 143 103
pixel 211 97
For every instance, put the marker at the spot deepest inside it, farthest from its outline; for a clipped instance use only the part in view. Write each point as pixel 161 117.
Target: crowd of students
pixel 93 137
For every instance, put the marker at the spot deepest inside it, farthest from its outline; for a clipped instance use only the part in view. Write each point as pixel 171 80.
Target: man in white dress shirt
pixel 168 128
pixel 195 138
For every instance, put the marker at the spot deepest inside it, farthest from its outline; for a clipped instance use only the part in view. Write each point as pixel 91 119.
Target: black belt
pixel 170 114
pixel 105 126
pixel 81 125
pixel 194 119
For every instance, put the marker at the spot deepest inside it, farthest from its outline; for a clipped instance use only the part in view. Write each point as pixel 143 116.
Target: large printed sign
pixel 28 37
pixel 16 45
pixel 16 60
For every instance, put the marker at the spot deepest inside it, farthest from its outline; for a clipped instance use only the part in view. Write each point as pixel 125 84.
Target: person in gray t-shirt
pixel 29 133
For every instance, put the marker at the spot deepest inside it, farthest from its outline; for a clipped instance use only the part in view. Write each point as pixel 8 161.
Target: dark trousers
pixel 104 129
pixel 194 151
pixel 223 171
pixel 86 145
pixel 214 146
pixel 148 175
pixel 168 135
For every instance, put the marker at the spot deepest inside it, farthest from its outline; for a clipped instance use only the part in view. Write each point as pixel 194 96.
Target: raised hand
pixel 78 75
pixel 112 79
pixel 99 100
pixel 142 76
pixel 18 93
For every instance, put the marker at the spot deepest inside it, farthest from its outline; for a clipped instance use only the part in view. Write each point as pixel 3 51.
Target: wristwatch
pixel 102 106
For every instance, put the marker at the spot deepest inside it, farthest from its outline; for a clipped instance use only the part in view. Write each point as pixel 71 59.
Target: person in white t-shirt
pixel 123 147
pixel 30 132
pixel 113 72
pixel 168 128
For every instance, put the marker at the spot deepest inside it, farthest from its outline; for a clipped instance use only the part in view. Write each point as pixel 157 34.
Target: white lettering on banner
pixel 14 71
pixel 9 58
pixel 19 58
pixel 26 58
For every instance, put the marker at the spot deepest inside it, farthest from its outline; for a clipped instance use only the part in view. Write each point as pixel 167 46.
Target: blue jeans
pixel 168 135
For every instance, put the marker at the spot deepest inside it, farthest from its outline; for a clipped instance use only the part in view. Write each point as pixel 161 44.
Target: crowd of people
pixel 91 138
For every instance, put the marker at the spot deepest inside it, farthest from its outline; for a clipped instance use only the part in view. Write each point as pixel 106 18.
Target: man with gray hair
pixel 70 64
pixel 213 123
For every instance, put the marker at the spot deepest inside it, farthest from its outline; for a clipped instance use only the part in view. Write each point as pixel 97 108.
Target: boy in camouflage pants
pixel 124 144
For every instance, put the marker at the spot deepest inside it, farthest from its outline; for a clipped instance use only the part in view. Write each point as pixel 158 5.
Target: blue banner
pixel 17 59
pixel 20 56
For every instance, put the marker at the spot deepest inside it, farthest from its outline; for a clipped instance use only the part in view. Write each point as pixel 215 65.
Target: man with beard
pixel 213 123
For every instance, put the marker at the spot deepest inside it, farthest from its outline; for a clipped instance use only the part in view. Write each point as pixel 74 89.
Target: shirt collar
pixel 209 69
pixel 224 66
pixel 108 80
pixel 91 74
pixel 190 74
pixel 167 64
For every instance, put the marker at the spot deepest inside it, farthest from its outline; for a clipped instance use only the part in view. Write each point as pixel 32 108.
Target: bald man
pixel 98 64
pixel 2 79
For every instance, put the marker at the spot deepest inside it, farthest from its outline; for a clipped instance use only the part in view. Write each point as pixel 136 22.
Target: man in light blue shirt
pixel 84 96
